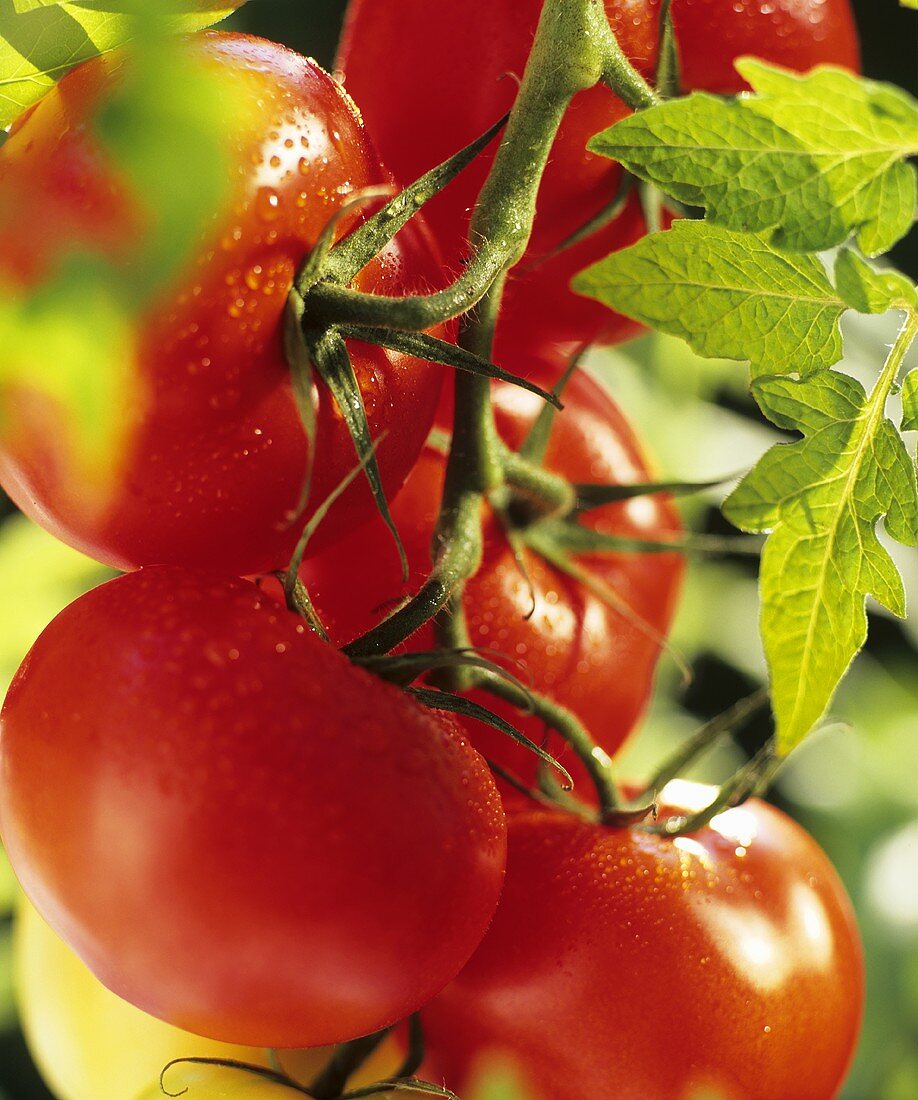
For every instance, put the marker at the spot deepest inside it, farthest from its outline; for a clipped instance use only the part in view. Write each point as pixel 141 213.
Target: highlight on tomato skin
pixel 625 966
pixel 596 656
pixel 439 75
pixel 224 818
pixel 213 454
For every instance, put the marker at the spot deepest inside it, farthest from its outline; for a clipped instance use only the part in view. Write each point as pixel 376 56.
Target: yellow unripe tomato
pixel 87 1042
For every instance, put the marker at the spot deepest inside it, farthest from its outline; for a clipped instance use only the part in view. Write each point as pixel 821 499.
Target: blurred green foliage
pixel 853 785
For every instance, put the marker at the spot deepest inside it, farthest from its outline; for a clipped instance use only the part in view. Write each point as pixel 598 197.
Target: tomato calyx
pixel 331 1083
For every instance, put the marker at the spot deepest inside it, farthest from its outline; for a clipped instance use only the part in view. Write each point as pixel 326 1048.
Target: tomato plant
pixel 255 837
pixel 593 651
pixel 453 72
pixel 623 964
pixel 186 800
pixel 214 454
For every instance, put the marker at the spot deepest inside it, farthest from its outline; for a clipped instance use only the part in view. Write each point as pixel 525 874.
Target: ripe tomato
pixel 594 658
pixel 238 831
pixel 436 76
pixel 621 965
pixel 214 454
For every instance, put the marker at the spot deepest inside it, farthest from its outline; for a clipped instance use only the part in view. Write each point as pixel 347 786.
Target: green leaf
pixel 808 162
pixel 729 295
pixel 40 42
pixel 913 4
pixel 821 499
pixel 71 344
pixel 168 120
pixel 870 291
pixel 910 402
pixel 862 130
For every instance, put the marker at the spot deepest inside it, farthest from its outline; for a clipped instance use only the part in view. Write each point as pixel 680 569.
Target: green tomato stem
pixel 564 722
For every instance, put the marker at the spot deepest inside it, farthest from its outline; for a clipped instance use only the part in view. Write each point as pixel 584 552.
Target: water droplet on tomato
pixel 267 204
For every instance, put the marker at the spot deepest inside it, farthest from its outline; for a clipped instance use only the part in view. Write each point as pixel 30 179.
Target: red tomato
pixel 432 77
pixel 624 966
pixel 214 454
pixel 594 658
pixel 236 829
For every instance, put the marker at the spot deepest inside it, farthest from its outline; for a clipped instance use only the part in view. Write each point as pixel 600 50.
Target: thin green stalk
pixel 570 53
pixel 457 559
pixel 570 728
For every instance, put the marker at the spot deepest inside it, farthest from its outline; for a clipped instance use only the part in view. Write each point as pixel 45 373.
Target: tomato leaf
pixel 71 343
pixel 808 161
pixel 910 402
pixel 821 499
pixel 870 291
pixel 40 42
pixel 729 295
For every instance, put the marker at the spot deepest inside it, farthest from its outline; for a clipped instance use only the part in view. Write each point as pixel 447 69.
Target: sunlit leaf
pixel 808 162
pixel 821 499
pixel 870 291
pixel 910 402
pixel 66 355
pixel 39 42
pixel 728 294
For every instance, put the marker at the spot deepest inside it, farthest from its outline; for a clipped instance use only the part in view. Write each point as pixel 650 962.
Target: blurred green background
pixel 854 786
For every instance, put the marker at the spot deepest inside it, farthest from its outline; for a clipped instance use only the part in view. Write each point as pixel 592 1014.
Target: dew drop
pixel 267 204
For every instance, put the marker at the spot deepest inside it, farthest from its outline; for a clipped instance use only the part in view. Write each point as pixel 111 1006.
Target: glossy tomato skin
pixel 622 966
pixel 216 811
pixel 214 453
pixel 596 659
pixel 431 78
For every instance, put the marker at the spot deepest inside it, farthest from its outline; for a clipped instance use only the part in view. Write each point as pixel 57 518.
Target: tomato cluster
pixel 244 833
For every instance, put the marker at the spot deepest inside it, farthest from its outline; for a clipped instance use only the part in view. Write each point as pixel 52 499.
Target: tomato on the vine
pixel 214 454
pixel 593 652
pixel 622 965
pixel 236 829
pixel 431 78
